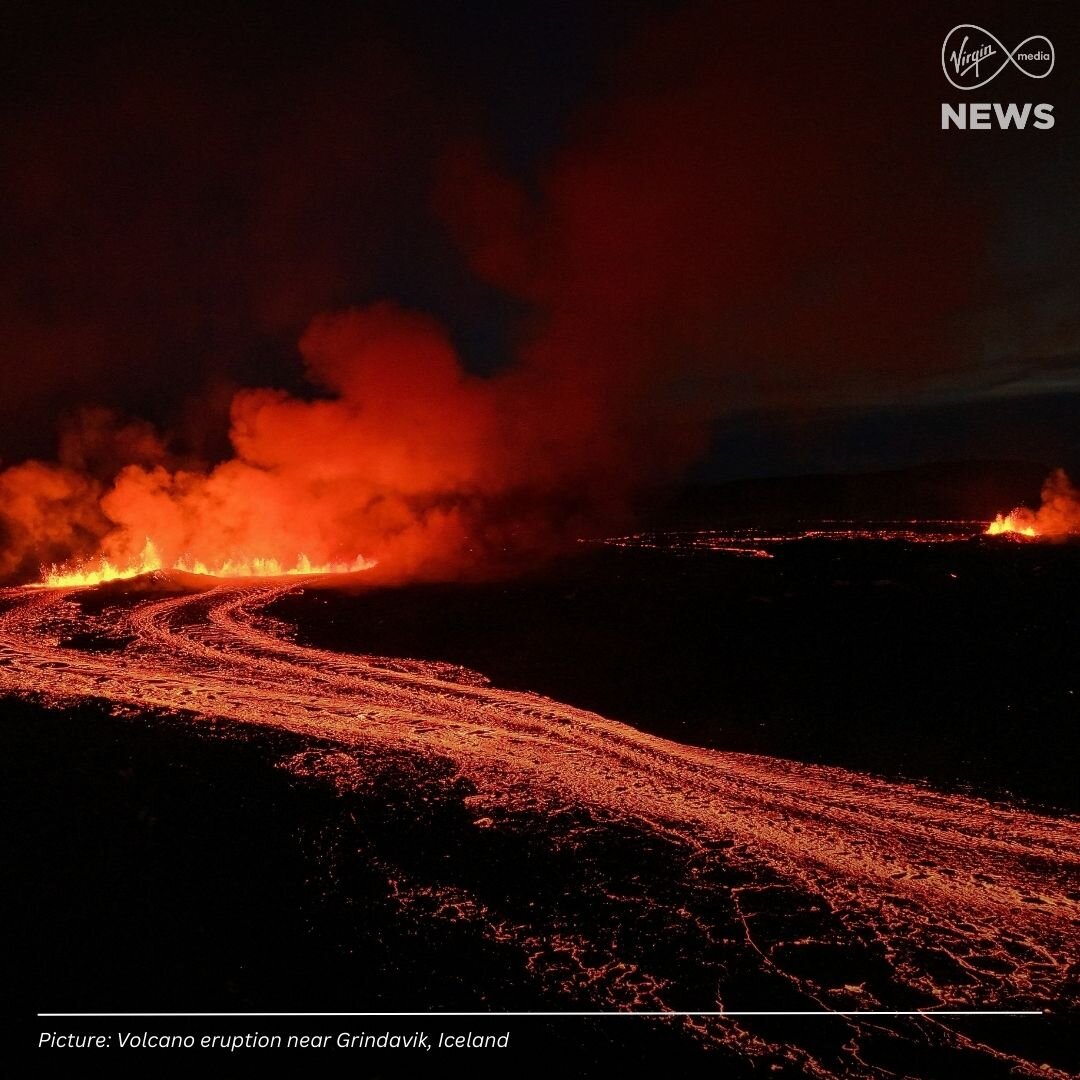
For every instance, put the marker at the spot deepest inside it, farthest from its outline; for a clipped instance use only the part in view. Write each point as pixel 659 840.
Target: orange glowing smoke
pixel 100 570
pixel 1057 517
pixel 397 454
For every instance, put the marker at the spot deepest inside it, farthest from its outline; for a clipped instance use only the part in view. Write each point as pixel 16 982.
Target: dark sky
pixel 737 217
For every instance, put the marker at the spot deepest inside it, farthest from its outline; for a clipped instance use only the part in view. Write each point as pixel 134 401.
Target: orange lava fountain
pixel 101 570
pixel 1018 523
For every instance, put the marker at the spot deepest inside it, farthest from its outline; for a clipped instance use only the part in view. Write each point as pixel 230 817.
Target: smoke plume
pixel 680 254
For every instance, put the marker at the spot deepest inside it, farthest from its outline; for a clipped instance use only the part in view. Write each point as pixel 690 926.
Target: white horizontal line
pixel 613 1012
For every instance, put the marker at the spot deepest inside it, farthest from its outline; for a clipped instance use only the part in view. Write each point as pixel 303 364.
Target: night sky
pixel 740 219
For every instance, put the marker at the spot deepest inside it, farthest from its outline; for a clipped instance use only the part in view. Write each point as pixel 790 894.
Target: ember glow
pixel 100 571
pixel 763 543
pixel 782 869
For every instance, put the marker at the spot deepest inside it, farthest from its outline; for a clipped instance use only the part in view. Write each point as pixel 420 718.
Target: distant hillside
pixel 959 489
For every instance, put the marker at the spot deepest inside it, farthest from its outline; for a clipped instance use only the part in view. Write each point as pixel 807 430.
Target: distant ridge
pixel 949 489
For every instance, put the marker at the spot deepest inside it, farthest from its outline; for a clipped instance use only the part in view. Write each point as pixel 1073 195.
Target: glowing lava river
pixel 771 885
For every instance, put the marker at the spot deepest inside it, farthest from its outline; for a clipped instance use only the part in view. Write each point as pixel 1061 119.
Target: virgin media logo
pixel 972 57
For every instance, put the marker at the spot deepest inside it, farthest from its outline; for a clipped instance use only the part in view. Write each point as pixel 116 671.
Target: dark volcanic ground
pixel 952 662
pixel 168 865
pixel 164 866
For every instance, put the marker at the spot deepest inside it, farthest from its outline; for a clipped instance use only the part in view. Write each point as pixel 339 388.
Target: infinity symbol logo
pixel 969 55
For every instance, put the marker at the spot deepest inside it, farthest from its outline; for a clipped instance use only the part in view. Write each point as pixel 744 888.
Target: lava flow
pixel 817 887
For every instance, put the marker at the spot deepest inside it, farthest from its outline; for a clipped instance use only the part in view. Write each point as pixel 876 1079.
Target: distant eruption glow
pixel 1056 518
pixel 101 570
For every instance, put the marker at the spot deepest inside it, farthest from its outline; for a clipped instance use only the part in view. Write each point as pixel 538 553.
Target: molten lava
pixel 1019 523
pixel 100 570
